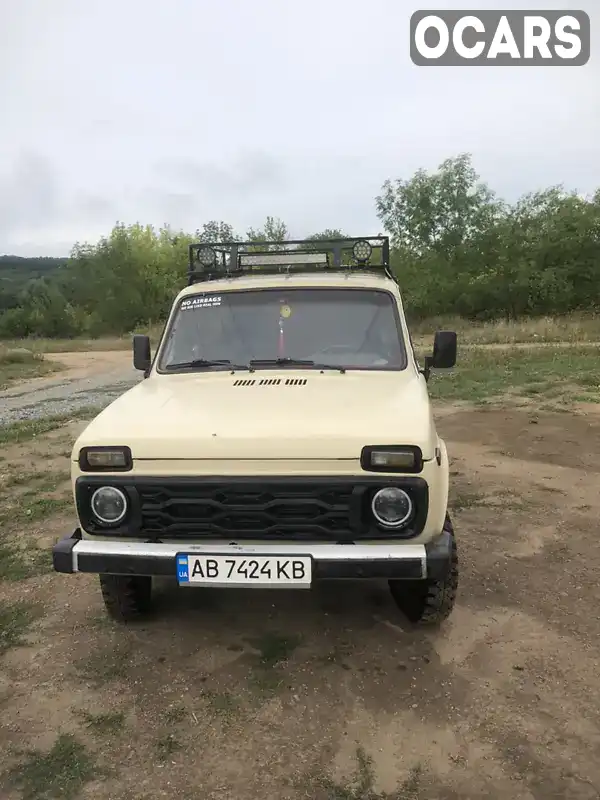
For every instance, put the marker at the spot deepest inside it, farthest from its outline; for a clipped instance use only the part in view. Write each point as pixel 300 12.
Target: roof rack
pixel 208 260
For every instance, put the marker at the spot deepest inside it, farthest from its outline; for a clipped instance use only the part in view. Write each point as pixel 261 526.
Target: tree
pixel 437 211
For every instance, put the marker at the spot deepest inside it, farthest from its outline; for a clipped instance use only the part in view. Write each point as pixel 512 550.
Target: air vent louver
pixel 270 382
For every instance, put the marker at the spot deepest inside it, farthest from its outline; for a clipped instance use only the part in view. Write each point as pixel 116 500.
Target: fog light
pixel 362 251
pixel 109 504
pixel 392 507
pixel 206 256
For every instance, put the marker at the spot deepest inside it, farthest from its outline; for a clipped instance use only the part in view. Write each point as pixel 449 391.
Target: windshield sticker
pixel 285 311
pixel 206 301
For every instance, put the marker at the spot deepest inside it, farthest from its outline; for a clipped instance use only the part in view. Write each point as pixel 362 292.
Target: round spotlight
pixel 362 251
pixel 109 504
pixel 206 256
pixel 391 507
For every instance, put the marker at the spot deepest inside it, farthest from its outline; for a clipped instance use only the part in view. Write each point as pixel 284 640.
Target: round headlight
pixel 362 251
pixel 109 504
pixel 206 256
pixel 392 507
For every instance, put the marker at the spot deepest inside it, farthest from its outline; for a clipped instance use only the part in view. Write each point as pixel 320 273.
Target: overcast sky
pixel 182 111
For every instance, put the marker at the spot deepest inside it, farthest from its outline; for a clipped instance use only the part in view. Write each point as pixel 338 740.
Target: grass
pixel 106 665
pixel 460 499
pixel 568 328
pixel 175 714
pixel 17 564
pixel 362 785
pixel 25 430
pixel 222 703
pixel 110 723
pixel 554 374
pixel 15 620
pixel 166 746
pixel 18 365
pixel 274 648
pixel 39 346
pixel 60 773
pixel 571 328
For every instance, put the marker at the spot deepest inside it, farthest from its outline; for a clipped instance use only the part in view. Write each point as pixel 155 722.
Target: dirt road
pixel 284 696
pixel 90 379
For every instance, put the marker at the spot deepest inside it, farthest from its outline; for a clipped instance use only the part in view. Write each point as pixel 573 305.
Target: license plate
pixel 250 570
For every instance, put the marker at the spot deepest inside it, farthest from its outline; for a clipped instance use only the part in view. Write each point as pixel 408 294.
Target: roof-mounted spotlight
pixel 206 256
pixel 362 251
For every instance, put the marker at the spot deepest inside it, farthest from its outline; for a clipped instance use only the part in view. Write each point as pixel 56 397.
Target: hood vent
pixel 270 382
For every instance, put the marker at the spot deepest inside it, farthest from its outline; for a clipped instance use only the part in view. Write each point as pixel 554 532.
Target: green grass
pixel 31 508
pixel 61 773
pixel 554 374
pixel 175 714
pixel 110 723
pixel 26 430
pixel 571 328
pixel 18 365
pixel 15 620
pixel 83 344
pixel 17 564
pixel 166 746
pixel 362 784
pixel 106 665
pixel 274 647
pixel 222 703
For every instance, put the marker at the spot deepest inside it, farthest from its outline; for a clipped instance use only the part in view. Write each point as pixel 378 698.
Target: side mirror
pixel 444 352
pixel 142 358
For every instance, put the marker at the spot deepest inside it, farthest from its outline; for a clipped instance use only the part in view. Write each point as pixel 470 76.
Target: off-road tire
pixel 127 598
pixel 429 602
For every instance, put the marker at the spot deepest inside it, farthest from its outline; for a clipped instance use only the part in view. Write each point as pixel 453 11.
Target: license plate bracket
pixel 244 570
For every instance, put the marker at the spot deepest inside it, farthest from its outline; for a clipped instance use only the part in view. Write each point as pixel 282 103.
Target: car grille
pixel 297 511
pixel 291 509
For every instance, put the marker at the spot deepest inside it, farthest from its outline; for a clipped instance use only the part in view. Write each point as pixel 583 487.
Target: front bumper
pixel 399 561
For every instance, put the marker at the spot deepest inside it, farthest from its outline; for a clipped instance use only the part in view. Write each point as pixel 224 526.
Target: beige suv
pixel 283 435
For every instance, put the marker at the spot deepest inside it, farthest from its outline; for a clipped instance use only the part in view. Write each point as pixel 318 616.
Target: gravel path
pixel 65 393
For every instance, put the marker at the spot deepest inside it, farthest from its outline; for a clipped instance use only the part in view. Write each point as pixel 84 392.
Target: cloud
pixel 189 111
pixel 248 174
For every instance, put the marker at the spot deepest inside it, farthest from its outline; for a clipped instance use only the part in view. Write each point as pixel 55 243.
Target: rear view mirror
pixel 142 358
pixel 444 352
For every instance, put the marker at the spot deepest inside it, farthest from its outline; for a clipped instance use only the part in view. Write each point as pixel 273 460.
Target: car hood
pixel 266 415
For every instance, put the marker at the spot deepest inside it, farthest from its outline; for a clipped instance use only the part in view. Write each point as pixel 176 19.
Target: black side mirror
pixel 142 358
pixel 444 352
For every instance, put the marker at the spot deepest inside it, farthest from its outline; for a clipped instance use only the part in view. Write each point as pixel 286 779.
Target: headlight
pixel 109 505
pixel 105 459
pixel 392 507
pixel 391 458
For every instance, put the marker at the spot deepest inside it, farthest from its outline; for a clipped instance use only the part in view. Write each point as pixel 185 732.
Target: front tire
pixel 429 602
pixel 127 598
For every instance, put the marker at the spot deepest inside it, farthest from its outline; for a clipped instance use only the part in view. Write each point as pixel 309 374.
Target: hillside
pixel 17 271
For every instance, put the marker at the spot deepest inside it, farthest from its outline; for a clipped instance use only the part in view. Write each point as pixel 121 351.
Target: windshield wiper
pixel 292 362
pixel 281 362
pixel 199 363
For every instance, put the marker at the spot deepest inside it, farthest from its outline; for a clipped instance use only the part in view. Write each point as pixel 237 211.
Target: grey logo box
pixel 566 35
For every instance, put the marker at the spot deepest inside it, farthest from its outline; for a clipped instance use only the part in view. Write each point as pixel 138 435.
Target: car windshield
pixel 341 328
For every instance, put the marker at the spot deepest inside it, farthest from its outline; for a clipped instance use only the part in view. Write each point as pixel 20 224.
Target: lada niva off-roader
pixel 282 435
